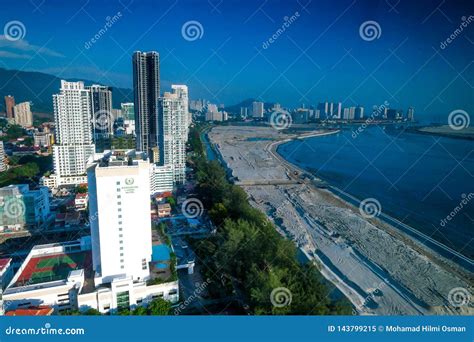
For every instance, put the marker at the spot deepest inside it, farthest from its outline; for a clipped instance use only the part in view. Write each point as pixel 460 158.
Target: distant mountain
pixel 246 103
pixel 38 88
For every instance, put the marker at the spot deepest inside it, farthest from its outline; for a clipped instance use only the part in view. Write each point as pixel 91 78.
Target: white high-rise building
pixel 173 130
pixel 182 92
pixel 23 115
pixel 74 145
pixel 119 204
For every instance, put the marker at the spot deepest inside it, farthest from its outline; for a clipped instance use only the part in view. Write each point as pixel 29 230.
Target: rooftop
pixel 52 267
pixel 31 311
pixel 4 263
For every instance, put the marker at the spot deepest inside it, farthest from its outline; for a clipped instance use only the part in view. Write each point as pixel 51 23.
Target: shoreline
pixel 323 225
pixel 413 233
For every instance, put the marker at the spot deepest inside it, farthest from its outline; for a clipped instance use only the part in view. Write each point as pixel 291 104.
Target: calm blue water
pixel 418 179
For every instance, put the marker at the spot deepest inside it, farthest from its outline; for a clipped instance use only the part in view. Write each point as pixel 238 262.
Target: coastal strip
pixel 368 261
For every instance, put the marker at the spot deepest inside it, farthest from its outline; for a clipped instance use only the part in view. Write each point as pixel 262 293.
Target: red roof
pixel 4 263
pixel 31 311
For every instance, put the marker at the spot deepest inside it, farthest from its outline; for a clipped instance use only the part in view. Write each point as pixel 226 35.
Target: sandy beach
pixel 379 269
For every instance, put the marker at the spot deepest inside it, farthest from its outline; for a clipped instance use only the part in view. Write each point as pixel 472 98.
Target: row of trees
pixel 157 307
pixel 249 251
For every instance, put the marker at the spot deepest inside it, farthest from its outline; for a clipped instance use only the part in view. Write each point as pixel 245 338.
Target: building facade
pixel 119 207
pixel 9 104
pixel 146 88
pixel 173 130
pixel 101 111
pixel 23 115
pixel 3 164
pixel 73 133
pixel 22 208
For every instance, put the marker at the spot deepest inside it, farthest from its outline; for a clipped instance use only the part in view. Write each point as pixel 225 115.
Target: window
pixel 120 229
pixel 118 183
pixel 121 248
pixel 139 300
pixel 121 254
pixel 120 242
pixel 119 203
pixel 120 235
pixel 120 222
pixel 123 300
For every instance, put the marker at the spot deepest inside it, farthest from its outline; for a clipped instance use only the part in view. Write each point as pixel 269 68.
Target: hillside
pixel 38 88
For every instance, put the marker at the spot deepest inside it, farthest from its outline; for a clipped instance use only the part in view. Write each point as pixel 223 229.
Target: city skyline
pixel 318 56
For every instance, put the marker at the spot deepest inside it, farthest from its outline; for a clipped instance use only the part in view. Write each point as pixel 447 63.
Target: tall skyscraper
pixel 23 115
pixel 101 111
pixel 9 104
pixel 173 130
pixel 72 116
pixel 146 87
pixel 119 206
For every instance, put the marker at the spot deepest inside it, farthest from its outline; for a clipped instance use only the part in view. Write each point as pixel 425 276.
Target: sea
pixel 423 181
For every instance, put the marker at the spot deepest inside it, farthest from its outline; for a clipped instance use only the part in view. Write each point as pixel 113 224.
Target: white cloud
pixel 25 46
pixel 8 54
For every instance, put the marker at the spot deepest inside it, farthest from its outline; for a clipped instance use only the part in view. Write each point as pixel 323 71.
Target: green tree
pixel 159 307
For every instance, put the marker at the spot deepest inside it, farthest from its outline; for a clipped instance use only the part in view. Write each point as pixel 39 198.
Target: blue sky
pixel 320 55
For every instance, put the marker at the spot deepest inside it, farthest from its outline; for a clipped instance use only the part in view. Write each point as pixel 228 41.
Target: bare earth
pixel 380 270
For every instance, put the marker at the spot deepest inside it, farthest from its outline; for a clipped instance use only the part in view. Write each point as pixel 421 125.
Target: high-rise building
pixel 146 87
pixel 411 114
pixel 173 130
pixel 9 104
pixel 244 112
pixel 359 113
pixel 128 111
pixel 73 133
pixel 101 110
pixel 257 109
pixel 323 110
pixel 182 92
pixel 119 206
pixel 3 165
pixel 22 114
